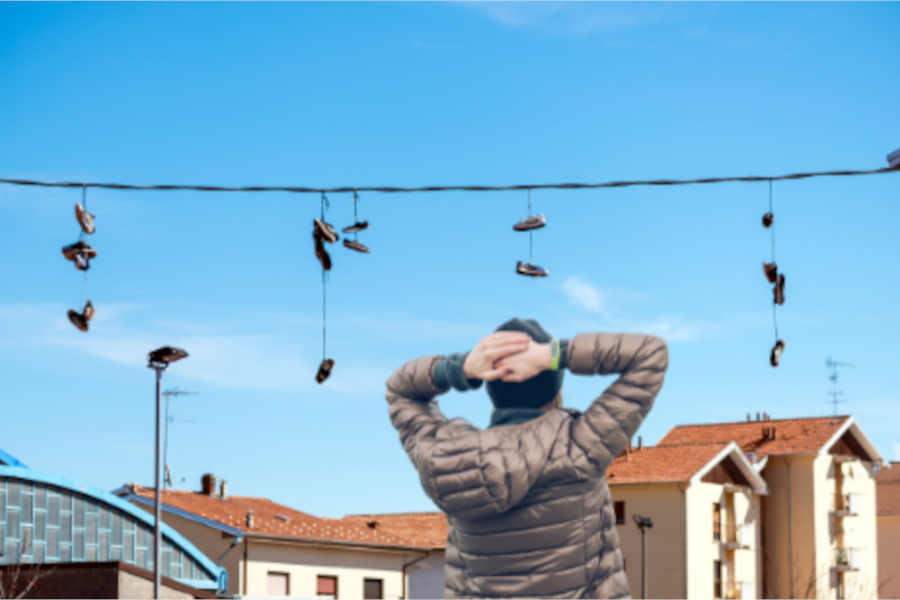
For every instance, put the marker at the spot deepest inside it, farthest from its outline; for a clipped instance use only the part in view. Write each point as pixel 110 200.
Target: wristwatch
pixel 554 354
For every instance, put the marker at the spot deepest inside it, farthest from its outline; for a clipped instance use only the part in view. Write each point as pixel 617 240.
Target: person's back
pixel 526 499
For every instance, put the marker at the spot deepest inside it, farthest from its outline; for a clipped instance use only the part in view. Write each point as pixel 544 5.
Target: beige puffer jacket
pixel 528 505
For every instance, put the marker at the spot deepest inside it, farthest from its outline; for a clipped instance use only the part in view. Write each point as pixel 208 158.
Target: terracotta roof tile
pixel 271 518
pixel 423 529
pixel 792 436
pixel 661 464
pixel 887 490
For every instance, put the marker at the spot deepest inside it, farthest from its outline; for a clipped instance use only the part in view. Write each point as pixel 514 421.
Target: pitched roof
pixel 792 436
pixel 422 529
pixel 662 464
pixel 271 518
pixel 887 490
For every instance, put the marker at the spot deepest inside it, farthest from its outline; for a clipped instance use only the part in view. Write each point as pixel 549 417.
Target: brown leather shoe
pixel 322 254
pixel 324 231
pixel 768 219
pixel 771 271
pixel 78 320
pixel 324 370
pixel 354 245
pixel 530 270
pixel 778 290
pixel 775 356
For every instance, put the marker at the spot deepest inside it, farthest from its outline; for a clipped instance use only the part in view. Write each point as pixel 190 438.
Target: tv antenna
pixel 167 393
pixel 833 377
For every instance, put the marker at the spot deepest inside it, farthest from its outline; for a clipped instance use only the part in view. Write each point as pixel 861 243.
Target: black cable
pixel 447 188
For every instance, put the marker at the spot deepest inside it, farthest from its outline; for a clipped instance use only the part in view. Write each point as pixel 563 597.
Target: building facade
pixel 704 503
pixel 818 521
pixel 887 483
pixel 46 519
pixel 270 549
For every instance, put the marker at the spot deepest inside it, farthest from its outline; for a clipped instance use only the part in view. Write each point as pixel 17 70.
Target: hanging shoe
pixel 767 220
pixel 79 247
pixel 322 254
pixel 524 268
pixel 771 271
pixel 324 370
pixel 530 223
pixel 85 219
pixel 358 226
pixel 778 290
pixel 78 320
pixel 354 245
pixel 775 356
pixel 81 262
pixel 88 311
pixel 324 231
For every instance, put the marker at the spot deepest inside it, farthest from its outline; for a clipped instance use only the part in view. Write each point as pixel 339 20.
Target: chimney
pixel 208 484
pixel 223 489
pixel 249 519
pixel 757 415
pixel 628 450
pixel 748 417
pixel 640 442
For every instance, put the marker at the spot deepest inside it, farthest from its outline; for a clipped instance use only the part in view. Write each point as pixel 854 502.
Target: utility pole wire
pixel 446 188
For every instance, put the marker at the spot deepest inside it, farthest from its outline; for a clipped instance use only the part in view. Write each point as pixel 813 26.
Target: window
pixel 619 505
pixel 373 588
pixel 717 521
pixel 278 584
pixel 717 579
pixel 326 585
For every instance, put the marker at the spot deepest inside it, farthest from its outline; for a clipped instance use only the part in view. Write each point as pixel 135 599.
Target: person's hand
pixel 525 365
pixel 480 362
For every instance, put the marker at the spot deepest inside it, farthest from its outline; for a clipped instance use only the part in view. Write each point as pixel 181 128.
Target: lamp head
pixel 162 357
pixel 642 521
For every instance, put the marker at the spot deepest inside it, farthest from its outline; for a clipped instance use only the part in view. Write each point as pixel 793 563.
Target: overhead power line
pixel 445 188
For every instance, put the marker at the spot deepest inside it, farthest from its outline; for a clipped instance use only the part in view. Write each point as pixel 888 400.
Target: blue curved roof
pixel 217 573
pixel 9 459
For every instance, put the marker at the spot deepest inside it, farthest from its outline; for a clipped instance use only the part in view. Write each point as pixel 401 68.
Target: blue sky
pixel 413 94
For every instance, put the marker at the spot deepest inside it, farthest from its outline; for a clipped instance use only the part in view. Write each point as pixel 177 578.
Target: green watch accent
pixel 554 354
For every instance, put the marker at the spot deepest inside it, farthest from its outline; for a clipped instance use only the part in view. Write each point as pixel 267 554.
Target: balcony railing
pixel 739 537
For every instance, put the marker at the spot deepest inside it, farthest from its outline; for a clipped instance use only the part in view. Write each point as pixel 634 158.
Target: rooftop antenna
pixel 833 377
pixel 167 393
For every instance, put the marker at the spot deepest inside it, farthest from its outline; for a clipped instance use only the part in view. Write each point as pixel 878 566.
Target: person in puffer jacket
pixel 526 499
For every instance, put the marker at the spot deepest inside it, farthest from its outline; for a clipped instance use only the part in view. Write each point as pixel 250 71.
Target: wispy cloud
pixel 572 18
pixel 616 309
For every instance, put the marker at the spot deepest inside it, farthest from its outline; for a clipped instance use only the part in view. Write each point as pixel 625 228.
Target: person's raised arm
pixel 412 387
pixel 605 428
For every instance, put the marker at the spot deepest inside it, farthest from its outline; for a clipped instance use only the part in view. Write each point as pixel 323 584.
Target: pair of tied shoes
pixel 80 253
pixel 354 244
pixel 528 224
pixel 81 320
pixel 773 276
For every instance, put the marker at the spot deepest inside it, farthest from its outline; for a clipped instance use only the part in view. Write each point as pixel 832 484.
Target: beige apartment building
pixel 818 523
pixel 704 503
pixel 887 483
pixel 271 550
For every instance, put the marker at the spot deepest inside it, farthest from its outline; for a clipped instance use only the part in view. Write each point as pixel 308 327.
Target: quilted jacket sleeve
pixel 468 473
pixel 603 431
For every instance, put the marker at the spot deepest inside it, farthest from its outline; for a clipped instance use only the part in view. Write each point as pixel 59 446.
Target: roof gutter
pixel 289 539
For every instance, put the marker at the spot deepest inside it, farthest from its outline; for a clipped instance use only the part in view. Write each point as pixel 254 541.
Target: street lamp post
pixel 158 360
pixel 644 523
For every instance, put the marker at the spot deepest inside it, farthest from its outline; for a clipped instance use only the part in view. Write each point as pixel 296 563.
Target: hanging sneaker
pixel 530 223
pixel 524 268
pixel 767 220
pixel 322 254
pixel 79 247
pixel 81 262
pixel 354 245
pixel 775 356
pixel 85 219
pixel 324 231
pixel 78 320
pixel 88 311
pixel 771 271
pixel 324 370
pixel 358 226
pixel 778 290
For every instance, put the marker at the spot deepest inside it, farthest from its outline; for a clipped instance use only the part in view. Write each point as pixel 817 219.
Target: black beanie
pixel 531 393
